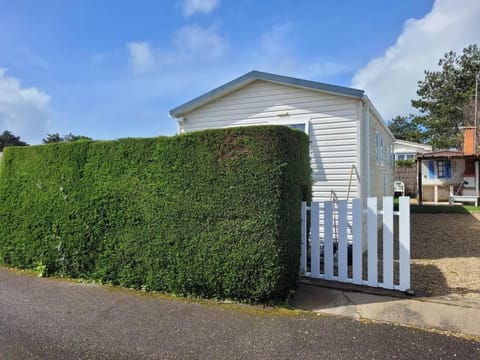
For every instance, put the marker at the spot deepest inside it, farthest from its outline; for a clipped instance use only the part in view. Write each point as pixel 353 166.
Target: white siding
pixel 381 170
pixel 333 126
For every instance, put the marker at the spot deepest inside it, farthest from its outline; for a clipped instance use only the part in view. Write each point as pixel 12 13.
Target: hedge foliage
pixel 213 213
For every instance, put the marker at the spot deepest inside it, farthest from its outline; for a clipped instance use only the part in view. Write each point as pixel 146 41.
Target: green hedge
pixel 213 213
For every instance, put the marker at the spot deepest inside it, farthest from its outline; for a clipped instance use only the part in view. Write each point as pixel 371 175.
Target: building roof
pixel 258 75
pixel 414 144
pixel 443 154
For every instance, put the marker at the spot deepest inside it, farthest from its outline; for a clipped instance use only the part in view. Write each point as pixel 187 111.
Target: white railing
pixel 357 260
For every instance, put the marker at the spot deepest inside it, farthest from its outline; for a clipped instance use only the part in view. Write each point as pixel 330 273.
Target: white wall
pixel 381 167
pixel 457 171
pixel 333 126
pixel 406 147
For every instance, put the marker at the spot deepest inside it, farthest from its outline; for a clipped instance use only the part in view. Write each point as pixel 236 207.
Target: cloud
pixel 391 80
pixel 99 58
pixel 190 43
pixel 276 53
pixel 191 7
pixel 194 42
pixel 142 58
pixel 24 111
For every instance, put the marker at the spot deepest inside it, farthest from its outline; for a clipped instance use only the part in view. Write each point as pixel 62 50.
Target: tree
pixel 407 128
pixel 446 97
pixel 56 138
pixel 8 139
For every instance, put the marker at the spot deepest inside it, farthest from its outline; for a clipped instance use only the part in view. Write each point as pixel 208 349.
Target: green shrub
pixel 213 213
pixel 406 163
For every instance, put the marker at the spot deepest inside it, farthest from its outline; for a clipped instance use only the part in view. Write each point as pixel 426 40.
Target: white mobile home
pixel 351 148
pixel 407 150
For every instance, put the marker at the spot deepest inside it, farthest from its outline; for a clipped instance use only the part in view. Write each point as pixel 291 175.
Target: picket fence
pixel 341 241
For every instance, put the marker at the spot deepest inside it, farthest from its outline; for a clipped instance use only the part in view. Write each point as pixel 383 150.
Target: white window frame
pixel 289 122
pixel 279 122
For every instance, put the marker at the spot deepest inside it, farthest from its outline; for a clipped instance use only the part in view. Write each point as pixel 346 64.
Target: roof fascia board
pixel 413 144
pixel 273 78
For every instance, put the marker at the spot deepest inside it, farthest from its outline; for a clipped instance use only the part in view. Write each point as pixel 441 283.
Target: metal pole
pixel 475 115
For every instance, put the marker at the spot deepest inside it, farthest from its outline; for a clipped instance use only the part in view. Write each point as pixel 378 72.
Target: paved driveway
pixel 55 319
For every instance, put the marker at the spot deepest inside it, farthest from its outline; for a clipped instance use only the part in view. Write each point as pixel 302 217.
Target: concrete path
pixel 451 314
pixel 56 319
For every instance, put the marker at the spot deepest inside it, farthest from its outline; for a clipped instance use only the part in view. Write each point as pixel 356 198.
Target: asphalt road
pixel 55 319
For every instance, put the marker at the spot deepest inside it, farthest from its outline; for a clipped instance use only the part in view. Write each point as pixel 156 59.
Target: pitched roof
pixel 413 144
pixel 445 154
pixel 258 75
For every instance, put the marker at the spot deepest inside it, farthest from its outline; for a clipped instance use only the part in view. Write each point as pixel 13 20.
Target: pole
pixel 475 115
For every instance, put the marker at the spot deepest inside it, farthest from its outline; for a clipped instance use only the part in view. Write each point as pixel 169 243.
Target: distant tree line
pixel 56 138
pixel 7 138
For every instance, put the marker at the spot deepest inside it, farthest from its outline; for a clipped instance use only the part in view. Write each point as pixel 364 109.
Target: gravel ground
pixel 446 254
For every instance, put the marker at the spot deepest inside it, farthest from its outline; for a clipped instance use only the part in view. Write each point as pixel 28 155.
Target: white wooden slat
pixel 303 254
pixel 357 241
pixel 315 240
pixel 372 267
pixel 404 237
pixel 322 225
pixel 342 241
pixel 328 240
pixel 388 242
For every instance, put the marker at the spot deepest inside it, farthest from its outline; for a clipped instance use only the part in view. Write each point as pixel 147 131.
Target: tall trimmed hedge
pixel 213 213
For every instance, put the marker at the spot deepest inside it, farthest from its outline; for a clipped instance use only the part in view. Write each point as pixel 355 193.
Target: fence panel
pixel 340 253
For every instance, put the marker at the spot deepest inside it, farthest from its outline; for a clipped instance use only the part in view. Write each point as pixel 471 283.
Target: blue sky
pixel 110 69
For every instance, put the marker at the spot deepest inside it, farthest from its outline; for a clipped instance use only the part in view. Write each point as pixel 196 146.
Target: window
pixel 444 169
pixel 380 149
pixel 440 169
pixel 404 156
pixel 300 126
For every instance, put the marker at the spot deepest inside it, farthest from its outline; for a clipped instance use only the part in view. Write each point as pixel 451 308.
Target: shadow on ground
pixel 445 265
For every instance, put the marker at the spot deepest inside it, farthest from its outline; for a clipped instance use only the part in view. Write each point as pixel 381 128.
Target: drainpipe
pixel 180 122
pixel 477 176
pixel 367 140
pixel 360 162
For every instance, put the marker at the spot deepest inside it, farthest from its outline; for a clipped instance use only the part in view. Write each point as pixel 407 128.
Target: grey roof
pixel 258 75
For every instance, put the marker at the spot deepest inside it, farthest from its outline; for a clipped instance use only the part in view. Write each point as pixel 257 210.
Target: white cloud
pixel 190 43
pixel 391 80
pixel 142 58
pixel 276 53
pixel 98 58
pixel 23 111
pixel 194 42
pixel 190 7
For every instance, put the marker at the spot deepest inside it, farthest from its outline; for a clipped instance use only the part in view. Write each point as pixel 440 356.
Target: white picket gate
pixel 352 255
